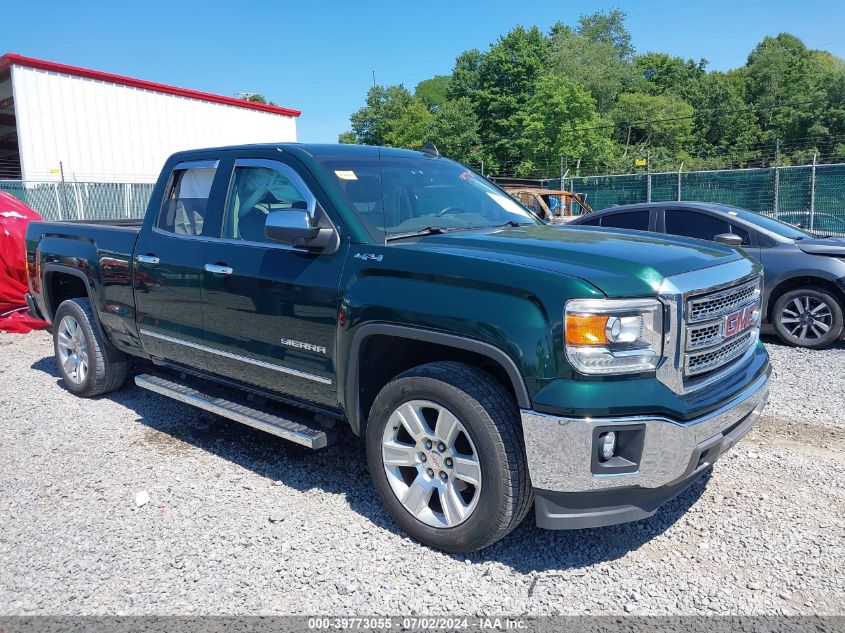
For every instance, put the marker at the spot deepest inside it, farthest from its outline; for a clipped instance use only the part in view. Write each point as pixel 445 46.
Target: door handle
pixel 217 269
pixel 147 259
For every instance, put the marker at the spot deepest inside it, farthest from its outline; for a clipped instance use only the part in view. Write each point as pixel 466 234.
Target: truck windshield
pixel 396 196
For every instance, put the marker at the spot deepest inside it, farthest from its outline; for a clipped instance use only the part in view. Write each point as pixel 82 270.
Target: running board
pixel 301 431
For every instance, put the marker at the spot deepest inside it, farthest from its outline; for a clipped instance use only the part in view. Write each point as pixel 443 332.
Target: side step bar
pixel 300 431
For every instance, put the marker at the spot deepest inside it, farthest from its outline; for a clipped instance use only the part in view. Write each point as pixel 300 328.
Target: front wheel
pixel 807 317
pixel 446 455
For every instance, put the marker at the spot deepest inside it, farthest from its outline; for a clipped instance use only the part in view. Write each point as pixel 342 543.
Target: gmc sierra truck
pixel 488 360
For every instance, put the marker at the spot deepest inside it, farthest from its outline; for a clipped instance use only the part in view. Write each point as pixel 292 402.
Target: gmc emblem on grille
pixel 740 320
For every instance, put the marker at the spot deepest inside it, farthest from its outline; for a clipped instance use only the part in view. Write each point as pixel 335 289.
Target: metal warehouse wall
pixel 105 132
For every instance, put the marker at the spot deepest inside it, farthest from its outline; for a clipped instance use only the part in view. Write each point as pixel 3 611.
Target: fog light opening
pixel 607 445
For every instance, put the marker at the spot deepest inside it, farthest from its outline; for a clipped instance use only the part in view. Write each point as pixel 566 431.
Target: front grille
pixel 703 335
pixel 711 341
pixel 709 360
pixel 716 304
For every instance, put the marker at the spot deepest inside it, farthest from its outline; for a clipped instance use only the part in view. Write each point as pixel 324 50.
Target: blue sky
pixel 319 56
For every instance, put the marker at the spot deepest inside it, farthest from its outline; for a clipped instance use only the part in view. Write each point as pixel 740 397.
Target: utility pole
pixel 680 169
pixel 561 173
pixel 648 175
pixel 777 175
pixel 813 193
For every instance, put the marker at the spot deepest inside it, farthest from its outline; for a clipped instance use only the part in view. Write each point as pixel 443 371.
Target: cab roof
pixel 322 150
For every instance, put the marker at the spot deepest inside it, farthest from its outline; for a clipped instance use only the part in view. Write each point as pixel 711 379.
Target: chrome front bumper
pixel 561 450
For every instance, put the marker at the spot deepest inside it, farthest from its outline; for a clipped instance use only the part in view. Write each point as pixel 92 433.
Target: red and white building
pixel 89 126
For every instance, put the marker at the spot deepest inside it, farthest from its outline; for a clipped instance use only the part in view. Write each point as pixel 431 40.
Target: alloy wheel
pixel 806 318
pixel 73 350
pixel 431 463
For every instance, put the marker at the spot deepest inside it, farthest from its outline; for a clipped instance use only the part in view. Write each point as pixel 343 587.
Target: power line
pixel 698 113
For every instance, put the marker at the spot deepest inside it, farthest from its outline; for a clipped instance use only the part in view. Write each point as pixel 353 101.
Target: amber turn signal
pixel 586 329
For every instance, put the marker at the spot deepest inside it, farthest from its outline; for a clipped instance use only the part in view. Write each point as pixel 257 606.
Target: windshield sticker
pixel 466 174
pixel 508 204
pixel 346 174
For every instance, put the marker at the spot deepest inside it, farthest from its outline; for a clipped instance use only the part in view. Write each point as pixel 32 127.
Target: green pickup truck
pixel 487 359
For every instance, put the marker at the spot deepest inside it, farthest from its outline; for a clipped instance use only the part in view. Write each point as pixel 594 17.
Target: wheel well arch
pixel 399 348
pixel 802 281
pixel 62 283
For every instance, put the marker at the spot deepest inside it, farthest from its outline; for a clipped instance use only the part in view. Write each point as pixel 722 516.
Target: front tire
pixel 807 317
pixel 447 458
pixel 88 363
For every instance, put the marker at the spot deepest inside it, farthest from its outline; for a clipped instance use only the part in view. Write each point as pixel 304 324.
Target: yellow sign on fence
pixel 640 162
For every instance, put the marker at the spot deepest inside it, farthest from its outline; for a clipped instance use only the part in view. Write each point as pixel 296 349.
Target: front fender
pixel 509 313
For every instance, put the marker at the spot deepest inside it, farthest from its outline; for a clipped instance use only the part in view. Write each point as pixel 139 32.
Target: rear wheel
pixel 446 456
pixel 88 363
pixel 808 317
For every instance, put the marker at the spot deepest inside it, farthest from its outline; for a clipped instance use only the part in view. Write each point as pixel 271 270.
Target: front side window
pixel 743 233
pixel 402 194
pixel 185 203
pixel 693 224
pixel 256 192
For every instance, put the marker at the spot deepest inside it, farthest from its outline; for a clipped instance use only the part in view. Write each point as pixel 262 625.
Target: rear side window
pixel 591 222
pixel 185 203
pixel 636 220
pixel 694 224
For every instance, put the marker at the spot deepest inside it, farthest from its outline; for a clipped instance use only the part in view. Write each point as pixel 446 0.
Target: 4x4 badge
pixel 368 256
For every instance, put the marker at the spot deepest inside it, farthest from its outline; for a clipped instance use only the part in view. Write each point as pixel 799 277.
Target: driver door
pixel 270 310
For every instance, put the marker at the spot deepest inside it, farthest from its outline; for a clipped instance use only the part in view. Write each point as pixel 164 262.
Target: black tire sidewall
pixel 73 309
pixel 818 293
pixel 472 533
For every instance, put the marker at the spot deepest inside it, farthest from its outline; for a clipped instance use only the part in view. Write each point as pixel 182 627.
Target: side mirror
pixel 289 227
pixel 728 238
pixel 295 227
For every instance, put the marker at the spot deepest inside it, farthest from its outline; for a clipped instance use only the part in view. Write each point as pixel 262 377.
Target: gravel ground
pixel 763 536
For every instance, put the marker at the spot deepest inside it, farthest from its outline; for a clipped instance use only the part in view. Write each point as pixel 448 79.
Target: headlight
pixel 613 336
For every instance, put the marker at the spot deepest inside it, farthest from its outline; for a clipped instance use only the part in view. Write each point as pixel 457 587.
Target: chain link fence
pixel 82 200
pixel 811 196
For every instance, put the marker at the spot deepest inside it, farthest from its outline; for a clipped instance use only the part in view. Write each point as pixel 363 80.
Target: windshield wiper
pixel 514 223
pixel 429 230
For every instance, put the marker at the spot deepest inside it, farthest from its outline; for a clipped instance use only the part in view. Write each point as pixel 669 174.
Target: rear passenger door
pixel 705 226
pixel 169 256
pixel 270 310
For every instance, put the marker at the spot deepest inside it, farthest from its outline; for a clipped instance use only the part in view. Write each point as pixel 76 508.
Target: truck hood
pixel 619 263
pixel 822 245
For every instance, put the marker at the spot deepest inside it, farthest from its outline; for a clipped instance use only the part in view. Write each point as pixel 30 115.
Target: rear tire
pixel 88 364
pixel 486 447
pixel 807 317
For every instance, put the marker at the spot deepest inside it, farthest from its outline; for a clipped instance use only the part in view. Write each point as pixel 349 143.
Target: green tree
pixel 454 130
pixel 258 98
pixel 652 120
pixel 725 130
pixel 371 124
pixel 560 120
pixel 595 65
pixel 466 75
pixel 347 138
pixel 788 85
pixel 507 76
pixel 433 91
pixel 608 28
pixel 660 74
pixel 410 128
